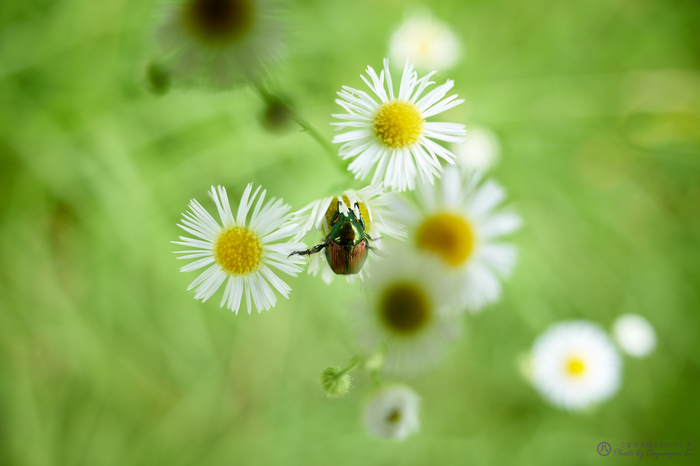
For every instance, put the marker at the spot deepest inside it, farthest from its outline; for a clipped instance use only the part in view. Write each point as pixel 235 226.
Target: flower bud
pixel 335 381
pixel 277 116
pixel 157 78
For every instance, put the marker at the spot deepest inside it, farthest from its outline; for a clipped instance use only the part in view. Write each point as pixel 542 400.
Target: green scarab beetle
pixel 346 245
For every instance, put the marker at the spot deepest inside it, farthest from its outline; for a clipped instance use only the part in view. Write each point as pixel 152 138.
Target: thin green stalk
pixel 306 127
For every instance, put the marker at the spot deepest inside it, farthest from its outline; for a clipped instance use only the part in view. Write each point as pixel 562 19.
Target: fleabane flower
pixel 240 252
pixel 635 335
pixel 406 312
pixel 575 365
pixel 393 134
pixel 372 202
pixel 392 412
pixel 458 222
pixel 219 43
pixel 428 42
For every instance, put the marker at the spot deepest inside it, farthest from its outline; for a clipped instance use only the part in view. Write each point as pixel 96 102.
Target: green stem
pixel 376 378
pixel 306 127
pixel 353 362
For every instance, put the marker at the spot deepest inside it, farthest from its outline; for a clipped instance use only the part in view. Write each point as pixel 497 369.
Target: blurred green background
pixel 106 359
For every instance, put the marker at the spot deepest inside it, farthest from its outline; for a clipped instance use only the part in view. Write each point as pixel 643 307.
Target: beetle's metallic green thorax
pixel 347 233
pixel 346 245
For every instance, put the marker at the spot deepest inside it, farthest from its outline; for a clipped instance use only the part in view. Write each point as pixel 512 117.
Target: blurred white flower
pixel 406 312
pixel 219 43
pixel 392 412
pixel 242 252
pixel 575 365
pixel 635 335
pixel 393 137
pixel 457 222
pixel 481 150
pixel 428 42
pixel 375 208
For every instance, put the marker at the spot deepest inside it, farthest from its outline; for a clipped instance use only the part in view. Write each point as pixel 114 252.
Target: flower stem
pixel 306 127
pixel 353 362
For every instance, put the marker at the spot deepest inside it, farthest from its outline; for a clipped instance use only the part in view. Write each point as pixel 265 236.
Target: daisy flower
pixel 406 312
pixel 240 252
pixel 219 43
pixel 392 412
pixel 458 222
pixel 635 335
pixel 392 134
pixel 481 150
pixel 428 42
pixel 375 207
pixel 575 365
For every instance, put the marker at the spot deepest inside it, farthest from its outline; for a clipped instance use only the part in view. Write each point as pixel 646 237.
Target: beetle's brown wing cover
pixel 358 256
pixel 337 258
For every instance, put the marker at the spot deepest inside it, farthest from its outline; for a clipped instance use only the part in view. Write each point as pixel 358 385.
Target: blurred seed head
pixel 392 412
pixel 220 43
pixel 480 151
pixel 635 335
pixel 428 42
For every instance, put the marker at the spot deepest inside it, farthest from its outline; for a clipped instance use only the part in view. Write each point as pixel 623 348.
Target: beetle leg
pixel 372 239
pixel 308 252
pixel 335 216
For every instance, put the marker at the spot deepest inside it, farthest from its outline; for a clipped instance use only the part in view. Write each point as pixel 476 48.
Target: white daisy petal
pixel 575 365
pixel 242 253
pixel 392 134
pixel 456 222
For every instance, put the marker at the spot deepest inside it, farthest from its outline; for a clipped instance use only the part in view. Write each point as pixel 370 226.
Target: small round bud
pixel 335 381
pixel 374 362
pixel 157 78
pixel 277 117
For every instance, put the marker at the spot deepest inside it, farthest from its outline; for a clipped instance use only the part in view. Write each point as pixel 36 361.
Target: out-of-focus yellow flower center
pixel 334 205
pixel 448 235
pixel 575 366
pixel 404 308
pixel 218 21
pixel 398 123
pixel 238 251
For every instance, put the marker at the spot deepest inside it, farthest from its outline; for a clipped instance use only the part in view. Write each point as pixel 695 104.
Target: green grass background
pixel 105 358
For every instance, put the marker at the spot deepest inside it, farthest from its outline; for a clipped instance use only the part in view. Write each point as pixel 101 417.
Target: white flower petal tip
pixel 392 412
pixel 392 136
pixel 635 335
pixel 575 365
pixel 241 250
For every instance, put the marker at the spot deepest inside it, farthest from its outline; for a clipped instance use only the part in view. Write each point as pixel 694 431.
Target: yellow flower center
pixel 574 366
pixel 238 251
pixel 218 21
pixel 404 308
pixel 334 205
pixel 398 123
pixel 448 235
